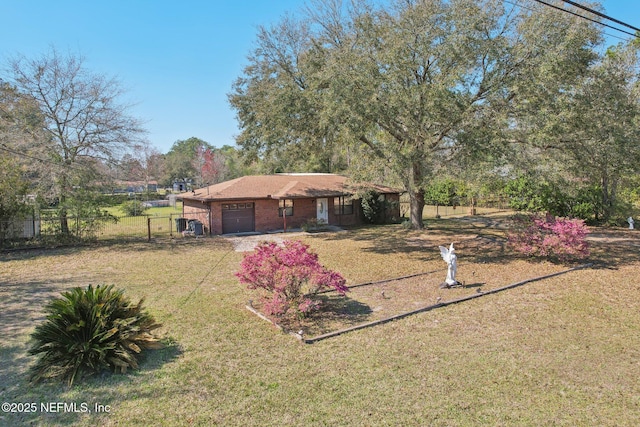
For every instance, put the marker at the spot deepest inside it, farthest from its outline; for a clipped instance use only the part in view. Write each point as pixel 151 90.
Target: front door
pixel 322 210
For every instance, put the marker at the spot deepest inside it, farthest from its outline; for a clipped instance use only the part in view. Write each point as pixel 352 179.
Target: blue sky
pixel 177 59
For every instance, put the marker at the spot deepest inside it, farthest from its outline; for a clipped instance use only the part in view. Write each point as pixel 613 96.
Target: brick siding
pixel 192 209
pixel 266 213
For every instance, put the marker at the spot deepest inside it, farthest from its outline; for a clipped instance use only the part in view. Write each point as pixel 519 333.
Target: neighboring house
pixel 266 203
pixel 180 185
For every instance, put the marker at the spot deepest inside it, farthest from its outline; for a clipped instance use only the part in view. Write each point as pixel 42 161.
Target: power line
pixel 522 6
pixel 602 15
pixel 584 17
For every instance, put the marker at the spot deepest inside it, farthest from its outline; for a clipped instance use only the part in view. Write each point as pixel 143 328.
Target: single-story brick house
pixel 264 203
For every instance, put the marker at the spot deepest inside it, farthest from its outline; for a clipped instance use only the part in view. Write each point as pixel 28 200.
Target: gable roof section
pixel 282 186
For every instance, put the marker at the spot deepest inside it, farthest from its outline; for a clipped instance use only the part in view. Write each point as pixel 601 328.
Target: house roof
pixel 282 186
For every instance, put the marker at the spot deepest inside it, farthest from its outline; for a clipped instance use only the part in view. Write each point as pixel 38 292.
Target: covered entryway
pixel 238 217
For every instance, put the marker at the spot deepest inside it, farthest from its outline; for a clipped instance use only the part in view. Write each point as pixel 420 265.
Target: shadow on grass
pixel 613 247
pixel 14 362
pixel 609 249
pixel 149 361
pixel 138 245
pixel 474 285
pixel 19 315
pixel 91 390
pixel 336 311
pixel 342 306
pixel 384 239
pixel 154 359
pixel 22 305
pixel 480 241
pixel 25 254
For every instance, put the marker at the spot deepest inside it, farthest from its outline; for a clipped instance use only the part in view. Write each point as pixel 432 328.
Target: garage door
pixel 237 218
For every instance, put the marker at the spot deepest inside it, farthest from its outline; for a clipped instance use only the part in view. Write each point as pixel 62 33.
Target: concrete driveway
pixel 248 242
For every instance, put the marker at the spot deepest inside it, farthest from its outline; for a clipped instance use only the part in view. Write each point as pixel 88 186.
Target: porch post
pixel 284 216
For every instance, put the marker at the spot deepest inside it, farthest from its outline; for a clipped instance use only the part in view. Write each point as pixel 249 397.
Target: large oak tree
pixel 418 85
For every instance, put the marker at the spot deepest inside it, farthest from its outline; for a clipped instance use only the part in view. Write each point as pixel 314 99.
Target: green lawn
pixel 562 351
pixel 161 211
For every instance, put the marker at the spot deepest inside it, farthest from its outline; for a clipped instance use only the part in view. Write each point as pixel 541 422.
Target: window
pixel 237 206
pixel 286 205
pixel 343 205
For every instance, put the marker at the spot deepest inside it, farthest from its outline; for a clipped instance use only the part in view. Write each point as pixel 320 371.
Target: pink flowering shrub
pixel 559 238
pixel 291 275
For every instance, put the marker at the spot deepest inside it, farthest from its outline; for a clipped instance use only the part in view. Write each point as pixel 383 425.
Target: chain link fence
pixel 44 231
pixel 461 206
pixel 48 231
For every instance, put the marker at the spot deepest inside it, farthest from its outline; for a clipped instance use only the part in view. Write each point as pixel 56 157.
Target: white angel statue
pixel 449 255
pixel 631 222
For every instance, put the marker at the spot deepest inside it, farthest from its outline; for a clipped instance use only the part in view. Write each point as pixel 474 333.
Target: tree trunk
pixel 64 221
pixel 416 201
pixel 607 202
pixel 416 196
pixel 609 190
pixel 62 203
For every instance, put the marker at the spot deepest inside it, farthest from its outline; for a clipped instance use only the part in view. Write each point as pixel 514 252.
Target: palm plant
pixel 90 330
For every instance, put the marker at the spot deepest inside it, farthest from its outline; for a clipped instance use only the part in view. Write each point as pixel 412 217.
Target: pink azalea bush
pixel 291 275
pixel 548 236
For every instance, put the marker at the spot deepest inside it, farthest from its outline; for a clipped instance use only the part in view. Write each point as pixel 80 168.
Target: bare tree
pixel 83 120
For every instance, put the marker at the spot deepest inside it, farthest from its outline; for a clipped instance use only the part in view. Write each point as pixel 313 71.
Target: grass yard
pixel 155 211
pixel 562 351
